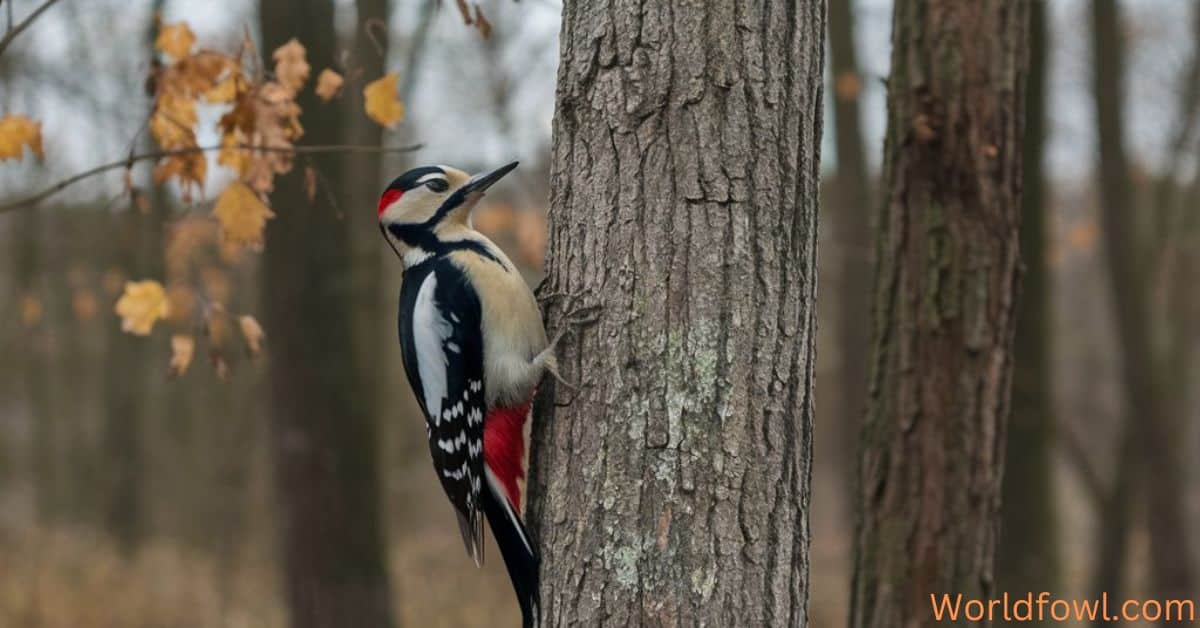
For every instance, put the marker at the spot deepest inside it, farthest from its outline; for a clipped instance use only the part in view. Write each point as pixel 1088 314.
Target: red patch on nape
pixel 389 196
pixel 504 448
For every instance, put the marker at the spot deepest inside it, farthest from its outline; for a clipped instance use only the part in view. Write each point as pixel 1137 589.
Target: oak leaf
pixel 183 349
pixel 329 84
pixel 175 40
pixel 142 305
pixel 382 104
pixel 242 215
pixel 291 68
pixel 17 132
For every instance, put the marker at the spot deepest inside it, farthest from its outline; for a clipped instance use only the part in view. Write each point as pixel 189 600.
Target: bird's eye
pixel 437 185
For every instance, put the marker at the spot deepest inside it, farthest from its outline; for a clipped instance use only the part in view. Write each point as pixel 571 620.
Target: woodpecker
pixel 474 350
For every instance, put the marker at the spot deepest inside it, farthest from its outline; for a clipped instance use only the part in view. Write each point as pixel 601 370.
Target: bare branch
pixel 128 162
pixel 13 32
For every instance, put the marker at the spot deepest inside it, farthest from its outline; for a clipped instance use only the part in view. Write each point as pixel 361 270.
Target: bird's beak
pixel 481 182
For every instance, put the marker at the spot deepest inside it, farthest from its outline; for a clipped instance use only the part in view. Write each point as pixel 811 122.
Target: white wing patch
pixel 430 330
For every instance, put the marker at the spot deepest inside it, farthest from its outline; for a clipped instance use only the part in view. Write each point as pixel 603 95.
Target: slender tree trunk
pixel 138 242
pixel 360 189
pixel 322 431
pixel 944 310
pixel 673 488
pixel 1027 560
pixel 37 367
pixel 851 215
pixel 138 247
pixel 1145 397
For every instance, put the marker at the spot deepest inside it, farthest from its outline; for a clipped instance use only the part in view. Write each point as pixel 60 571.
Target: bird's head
pixel 424 200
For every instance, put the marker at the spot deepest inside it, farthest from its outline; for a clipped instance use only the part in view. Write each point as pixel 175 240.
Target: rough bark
pixel 944 309
pixel 1027 560
pixel 1172 574
pixel 323 435
pixel 673 487
pixel 851 215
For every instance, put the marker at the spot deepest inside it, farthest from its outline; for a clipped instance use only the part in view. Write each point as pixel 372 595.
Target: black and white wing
pixel 442 346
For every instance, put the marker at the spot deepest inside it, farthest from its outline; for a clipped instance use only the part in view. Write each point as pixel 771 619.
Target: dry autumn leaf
pixel 175 40
pixel 142 305
pixel 17 132
pixel 310 183
pixel 253 333
pixel 482 23
pixel 382 104
pixel 847 86
pixel 464 10
pixel 85 305
pixel 291 68
pixel 183 349
pixel 31 310
pixel 242 215
pixel 329 84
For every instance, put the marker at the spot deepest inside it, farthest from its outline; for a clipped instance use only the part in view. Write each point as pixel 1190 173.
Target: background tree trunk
pixel 1146 396
pixel 1027 560
pixel 944 309
pixel 673 488
pixel 360 188
pixel 851 215
pixel 324 438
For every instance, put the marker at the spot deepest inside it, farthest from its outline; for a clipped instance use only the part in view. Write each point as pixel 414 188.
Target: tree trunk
pixel 1028 557
pixel 673 487
pixel 323 435
pixel 37 367
pixel 360 189
pixel 139 252
pixel 944 309
pixel 851 215
pixel 1144 378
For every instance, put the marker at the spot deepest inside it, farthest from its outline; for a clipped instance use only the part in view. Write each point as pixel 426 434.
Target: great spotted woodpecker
pixel 474 350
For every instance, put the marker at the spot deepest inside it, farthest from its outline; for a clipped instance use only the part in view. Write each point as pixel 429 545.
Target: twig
pixel 14 31
pixel 127 162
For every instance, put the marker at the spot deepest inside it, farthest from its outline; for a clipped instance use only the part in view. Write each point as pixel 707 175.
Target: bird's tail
pixel 520 555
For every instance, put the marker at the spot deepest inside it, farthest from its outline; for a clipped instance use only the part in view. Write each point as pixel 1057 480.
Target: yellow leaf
pixel 223 92
pixel 252 332
pixel 382 105
pixel 188 169
pixel 182 302
pixel 183 349
pixel 847 86
pixel 175 40
pixel 31 310
pixel 242 215
pixel 329 84
pixel 173 119
pixel 85 305
pixel 17 132
pixel 291 68
pixel 142 304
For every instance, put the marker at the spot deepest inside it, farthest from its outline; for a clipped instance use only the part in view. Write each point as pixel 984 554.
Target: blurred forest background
pixel 130 498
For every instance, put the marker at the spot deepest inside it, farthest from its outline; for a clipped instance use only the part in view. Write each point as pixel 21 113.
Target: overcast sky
pixel 92 113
